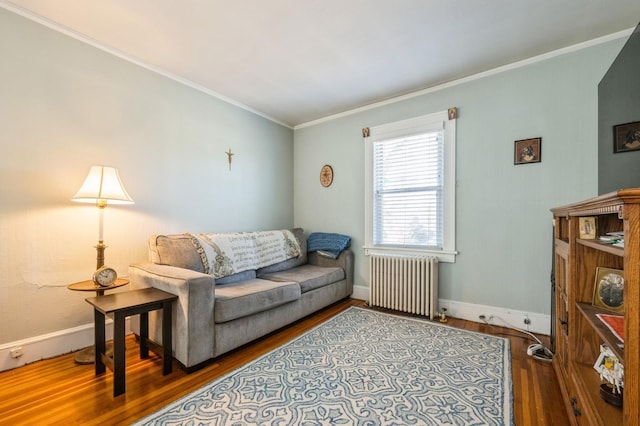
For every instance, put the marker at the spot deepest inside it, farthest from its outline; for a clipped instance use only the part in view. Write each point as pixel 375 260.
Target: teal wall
pixel 64 106
pixel 503 220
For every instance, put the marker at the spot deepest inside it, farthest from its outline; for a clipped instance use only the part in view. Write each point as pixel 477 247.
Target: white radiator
pixel 404 283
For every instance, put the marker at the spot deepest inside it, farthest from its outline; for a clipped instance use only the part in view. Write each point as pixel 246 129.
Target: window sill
pixel 446 256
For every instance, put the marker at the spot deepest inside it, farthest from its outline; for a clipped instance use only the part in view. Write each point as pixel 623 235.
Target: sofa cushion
pixel 293 262
pixel 308 276
pixel 175 250
pixel 240 299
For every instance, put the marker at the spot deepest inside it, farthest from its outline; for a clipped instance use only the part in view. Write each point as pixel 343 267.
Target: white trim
pixel 360 292
pixel 52 344
pixel 442 255
pixel 540 323
pixel 449 195
pixel 494 71
pixel 425 123
pixel 120 54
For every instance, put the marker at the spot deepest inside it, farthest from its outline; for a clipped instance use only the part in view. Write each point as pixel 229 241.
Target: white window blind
pixel 408 183
pixel 410 187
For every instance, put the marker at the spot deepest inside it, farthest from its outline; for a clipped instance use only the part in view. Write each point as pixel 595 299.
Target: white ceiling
pixel 297 61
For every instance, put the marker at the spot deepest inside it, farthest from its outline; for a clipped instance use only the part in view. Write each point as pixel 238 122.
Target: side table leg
pixel 144 335
pixel 118 355
pixel 98 341
pixel 167 344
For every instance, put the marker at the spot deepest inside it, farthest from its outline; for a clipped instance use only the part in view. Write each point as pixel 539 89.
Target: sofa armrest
pixel 344 261
pixel 193 325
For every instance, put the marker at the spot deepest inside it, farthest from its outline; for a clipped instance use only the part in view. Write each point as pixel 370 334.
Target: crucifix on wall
pixel 229 156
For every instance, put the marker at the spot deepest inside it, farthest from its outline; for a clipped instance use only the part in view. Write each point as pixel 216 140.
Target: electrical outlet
pixel 527 321
pixel 482 317
pixel 16 352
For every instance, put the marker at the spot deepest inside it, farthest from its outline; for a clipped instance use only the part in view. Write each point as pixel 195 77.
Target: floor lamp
pixel 102 187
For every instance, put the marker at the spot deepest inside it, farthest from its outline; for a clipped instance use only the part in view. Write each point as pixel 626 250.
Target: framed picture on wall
pixel 626 137
pixel 527 151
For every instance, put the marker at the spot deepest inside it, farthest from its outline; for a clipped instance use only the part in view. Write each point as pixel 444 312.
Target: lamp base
pixel 100 254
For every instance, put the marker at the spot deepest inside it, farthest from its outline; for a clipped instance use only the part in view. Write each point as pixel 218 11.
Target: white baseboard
pixel 72 339
pixel 360 292
pixel 52 344
pixel 539 323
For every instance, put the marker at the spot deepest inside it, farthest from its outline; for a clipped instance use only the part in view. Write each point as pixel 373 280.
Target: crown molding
pixel 115 52
pixel 498 70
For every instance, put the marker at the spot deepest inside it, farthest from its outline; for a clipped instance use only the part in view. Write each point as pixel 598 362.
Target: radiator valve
pixel 443 315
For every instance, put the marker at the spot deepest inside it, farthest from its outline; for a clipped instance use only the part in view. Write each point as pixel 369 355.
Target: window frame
pixel 412 126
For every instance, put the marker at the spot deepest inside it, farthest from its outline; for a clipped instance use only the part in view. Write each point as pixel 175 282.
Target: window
pixel 410 184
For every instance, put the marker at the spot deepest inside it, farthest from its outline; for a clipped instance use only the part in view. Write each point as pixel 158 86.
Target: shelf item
pixel 608 289
pixel 583 324
pixel 615 324
pixel 591 313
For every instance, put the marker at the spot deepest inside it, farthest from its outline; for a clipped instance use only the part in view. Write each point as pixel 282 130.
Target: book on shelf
pixel 615 323
pixel 616 240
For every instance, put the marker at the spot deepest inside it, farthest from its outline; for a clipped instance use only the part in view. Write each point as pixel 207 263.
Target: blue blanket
pixel 328 244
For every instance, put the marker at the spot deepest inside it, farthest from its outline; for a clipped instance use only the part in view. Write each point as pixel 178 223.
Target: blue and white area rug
pixel 361 367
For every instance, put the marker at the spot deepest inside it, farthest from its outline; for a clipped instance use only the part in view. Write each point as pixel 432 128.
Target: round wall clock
pixel 326 175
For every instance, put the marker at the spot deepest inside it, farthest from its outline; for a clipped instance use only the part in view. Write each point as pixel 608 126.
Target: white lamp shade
pixel 102 184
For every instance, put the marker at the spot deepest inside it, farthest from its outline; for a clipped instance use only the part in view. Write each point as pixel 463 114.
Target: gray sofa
pixel 213 316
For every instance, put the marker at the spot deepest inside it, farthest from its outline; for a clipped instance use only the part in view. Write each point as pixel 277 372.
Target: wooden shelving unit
pixel 579 332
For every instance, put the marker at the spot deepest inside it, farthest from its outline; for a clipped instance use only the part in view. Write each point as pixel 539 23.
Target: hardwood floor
pixel 58 391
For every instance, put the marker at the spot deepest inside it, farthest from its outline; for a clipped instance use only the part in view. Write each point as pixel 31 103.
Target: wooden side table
pixel 89 285
pixel 120 306
pixel 88 355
